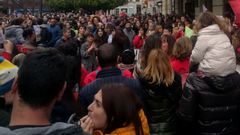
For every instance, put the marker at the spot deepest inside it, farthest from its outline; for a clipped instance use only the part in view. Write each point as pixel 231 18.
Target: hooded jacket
pixel 14 33
pixel 210 105
pixel 54 129
pixel 213 52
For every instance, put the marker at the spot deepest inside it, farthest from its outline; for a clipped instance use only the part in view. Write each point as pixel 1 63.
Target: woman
pixel 181 57
pixel 100 38
pixel 115 110
pixel 161 92
pixel 139 39
pixel 167 44
pixel 213 50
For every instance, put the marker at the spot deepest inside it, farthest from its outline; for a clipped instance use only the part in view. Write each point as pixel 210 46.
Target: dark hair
pixel 107 55
pixel 171 41
pixel 128 56
pixel 152 42
pixel 168 27
pixel 17 21
pixel 41 77
pixel 100 40
pixel 121 41
pixel 28 32
pixel 122 107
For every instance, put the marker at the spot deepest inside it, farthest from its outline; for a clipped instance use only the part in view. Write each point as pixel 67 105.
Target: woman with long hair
pixel 115 110
pixel 161 92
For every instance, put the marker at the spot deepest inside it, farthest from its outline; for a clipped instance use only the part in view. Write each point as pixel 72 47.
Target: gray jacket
pixel 88 60
pixel 54 129
pixel 14 33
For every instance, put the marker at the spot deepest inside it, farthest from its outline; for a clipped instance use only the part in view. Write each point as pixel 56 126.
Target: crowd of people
pixel 77 74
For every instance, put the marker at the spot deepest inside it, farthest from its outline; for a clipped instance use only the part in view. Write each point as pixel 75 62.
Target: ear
pixel 14 86
pixel 60 95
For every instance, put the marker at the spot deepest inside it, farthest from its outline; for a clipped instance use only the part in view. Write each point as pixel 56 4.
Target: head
pixel 18 59
pixel 82 30
pixel 52 22
pixel 152 42
pixel 107 55
pixel 167 30
pixel 90 38
pixel 7 76
pixel 41 79
pixel 182 48
pixel 127 57
pixel 100 32
pixel 159 29
pixel 141 31
pixel 114 106
pixel 206 19
pixel 128 26
pixel 29 35
pixel 167 44
pixel 17 21
pixel 158 69
pixel 66 33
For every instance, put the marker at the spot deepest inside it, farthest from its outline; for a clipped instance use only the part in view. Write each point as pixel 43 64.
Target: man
pixel 40 83
pixel 107 58
pixel 65 38
pixel 129 32
pixel 55 31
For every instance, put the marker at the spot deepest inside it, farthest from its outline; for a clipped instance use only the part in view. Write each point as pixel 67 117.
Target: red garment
pixel 7 56
pixel 92 76
pixel 181 67
pixel 84 73
pixel 138 42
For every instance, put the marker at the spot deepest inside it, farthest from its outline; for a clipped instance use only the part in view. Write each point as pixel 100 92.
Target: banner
pixel 235 4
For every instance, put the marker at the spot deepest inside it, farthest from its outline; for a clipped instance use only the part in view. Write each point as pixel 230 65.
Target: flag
pixel 235 4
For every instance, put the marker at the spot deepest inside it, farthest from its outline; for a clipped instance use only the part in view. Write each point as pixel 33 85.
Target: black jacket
pixel 161 103
pixel 210 105
pixel 111 75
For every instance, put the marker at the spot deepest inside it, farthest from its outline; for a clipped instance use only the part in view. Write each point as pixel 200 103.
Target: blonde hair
pixel 158 68
pixel 182 48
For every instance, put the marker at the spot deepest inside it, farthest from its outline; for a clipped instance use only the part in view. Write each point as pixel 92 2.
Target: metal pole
pixel 41 7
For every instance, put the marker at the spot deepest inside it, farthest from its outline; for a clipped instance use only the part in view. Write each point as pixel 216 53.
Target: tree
pixel 90 5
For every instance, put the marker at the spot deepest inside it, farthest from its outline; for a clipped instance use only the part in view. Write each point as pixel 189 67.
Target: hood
pixel 210 30
pixel 54 129
pixel 222 84
pixel 13 27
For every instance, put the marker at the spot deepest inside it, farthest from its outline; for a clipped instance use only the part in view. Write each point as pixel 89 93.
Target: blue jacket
pixel 56 34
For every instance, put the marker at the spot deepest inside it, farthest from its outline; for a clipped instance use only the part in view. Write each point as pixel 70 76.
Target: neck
pixel 22 114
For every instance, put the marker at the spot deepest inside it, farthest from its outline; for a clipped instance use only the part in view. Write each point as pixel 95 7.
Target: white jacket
pixel 214 52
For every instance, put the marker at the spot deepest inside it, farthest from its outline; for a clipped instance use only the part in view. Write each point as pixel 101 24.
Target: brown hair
pixel 208 18
pixel 170 40
pixel 122 107
pixel 182 48
pixel 158 69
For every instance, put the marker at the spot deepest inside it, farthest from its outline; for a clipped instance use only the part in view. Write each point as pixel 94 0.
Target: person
pixel 113 58
pixel 14 32
pixel 55 31
pixel 161 89
pixel 139 39
pixel 40 83
pixel 180 60
pixel 129 32
pixel 88 54
pixel 100 38
pixel 116 110
pixel 107 58
pixel 213 50
pixel 7 76
pixel 210 104
pixel 65 38
pixel 167 44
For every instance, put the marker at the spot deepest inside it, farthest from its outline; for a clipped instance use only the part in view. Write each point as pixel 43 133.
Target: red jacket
pixel 7 56
pixel 181 67
pixel 92 76
pixel 84 74
pixel 138 42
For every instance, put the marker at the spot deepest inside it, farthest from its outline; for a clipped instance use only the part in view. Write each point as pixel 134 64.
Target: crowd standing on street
pixel 95 74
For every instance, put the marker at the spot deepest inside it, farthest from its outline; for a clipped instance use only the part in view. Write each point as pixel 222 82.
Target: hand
pixel 87 124
pixel 8 46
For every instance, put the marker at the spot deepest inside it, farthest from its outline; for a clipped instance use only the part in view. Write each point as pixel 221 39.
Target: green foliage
pixel 90 5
